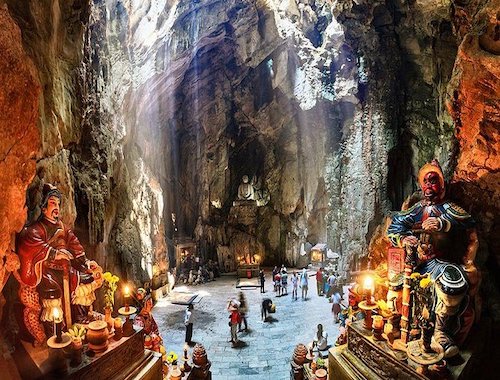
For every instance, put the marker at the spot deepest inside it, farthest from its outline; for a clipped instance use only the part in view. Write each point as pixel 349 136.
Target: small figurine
pixel 145 319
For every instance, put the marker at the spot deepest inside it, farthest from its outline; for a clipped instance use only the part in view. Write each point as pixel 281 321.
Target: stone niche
pixel 225 258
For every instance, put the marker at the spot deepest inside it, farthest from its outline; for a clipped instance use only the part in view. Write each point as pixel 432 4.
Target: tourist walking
pixel 262 280
pixel 275 271
pixel 332 282
pixel 243 310
pixel 284 282
pixel 277 283
pixel 295 284
pixel 304 284
pixel 336 309
pixel 319 281
pixel 188 322
pixel 234 320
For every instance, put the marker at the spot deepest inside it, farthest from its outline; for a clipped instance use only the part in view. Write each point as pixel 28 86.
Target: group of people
pixel 203 274
pixel 328 285
pixel 280 282
pixel 326 282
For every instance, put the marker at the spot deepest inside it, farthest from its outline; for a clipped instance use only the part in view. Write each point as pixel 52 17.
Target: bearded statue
pixel 444 238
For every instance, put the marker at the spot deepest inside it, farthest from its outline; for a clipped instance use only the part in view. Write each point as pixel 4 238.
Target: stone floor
pixel 266 349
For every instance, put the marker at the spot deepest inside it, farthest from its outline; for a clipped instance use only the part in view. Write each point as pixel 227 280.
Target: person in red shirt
pixel 234 320
pixel 319 281
pixel 277 283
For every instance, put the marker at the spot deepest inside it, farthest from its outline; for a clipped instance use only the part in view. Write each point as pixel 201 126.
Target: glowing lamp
pixel 126 297
pixel 316 256
pixel 57 317
pixel 369 288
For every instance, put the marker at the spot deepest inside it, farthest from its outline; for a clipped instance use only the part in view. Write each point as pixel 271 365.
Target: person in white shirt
pixel 336 308
pixel 304 283
pixel 295 283
pixel 320 339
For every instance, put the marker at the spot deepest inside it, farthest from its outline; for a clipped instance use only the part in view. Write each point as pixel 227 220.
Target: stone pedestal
pixel 243 212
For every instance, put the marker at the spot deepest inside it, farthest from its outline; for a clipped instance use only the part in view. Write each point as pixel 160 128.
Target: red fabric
pixel 319 276
pixel 235 317
pixel 33 247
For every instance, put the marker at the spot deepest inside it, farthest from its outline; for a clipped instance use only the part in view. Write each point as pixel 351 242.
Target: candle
pixel 126 297
pixel 378 322
pixel 388 328
pixel 57 324
pixel 368 286
pixel 118 329
pixel 118 323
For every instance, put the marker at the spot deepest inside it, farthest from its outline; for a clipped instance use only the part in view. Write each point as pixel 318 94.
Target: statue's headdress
pixel 431 167
pixel 48 191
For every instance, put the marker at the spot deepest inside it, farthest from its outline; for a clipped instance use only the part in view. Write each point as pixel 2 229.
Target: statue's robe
pixel 37 246
pixel 449 244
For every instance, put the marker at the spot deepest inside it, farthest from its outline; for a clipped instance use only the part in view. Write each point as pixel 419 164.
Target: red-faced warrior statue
pixel 444 237
pixel 54 272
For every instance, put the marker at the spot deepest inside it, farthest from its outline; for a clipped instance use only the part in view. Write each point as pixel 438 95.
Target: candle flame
pixel 368 283
pixel 126 290
pixel 55 314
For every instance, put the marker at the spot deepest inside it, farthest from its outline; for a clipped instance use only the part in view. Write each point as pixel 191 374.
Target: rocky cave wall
pixel 154 108
pixel 85 148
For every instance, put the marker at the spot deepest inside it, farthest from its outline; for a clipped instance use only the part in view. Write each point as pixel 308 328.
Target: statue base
pixel 126 358
pixel 243 212
pixel 365 358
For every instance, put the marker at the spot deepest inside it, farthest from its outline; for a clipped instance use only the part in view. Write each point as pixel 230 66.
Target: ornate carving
pixel 372 355
pixel 106 365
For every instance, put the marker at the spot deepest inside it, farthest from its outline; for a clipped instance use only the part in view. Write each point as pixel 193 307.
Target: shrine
pixel 249 189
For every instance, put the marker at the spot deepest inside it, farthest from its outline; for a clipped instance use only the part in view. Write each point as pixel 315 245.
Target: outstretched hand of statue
pixel 431 224
pixel 410 240
pixel 63 254
pixel 96 271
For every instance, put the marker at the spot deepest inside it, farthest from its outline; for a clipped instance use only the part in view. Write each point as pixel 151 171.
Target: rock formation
pixel 19 139
pixel 152 111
